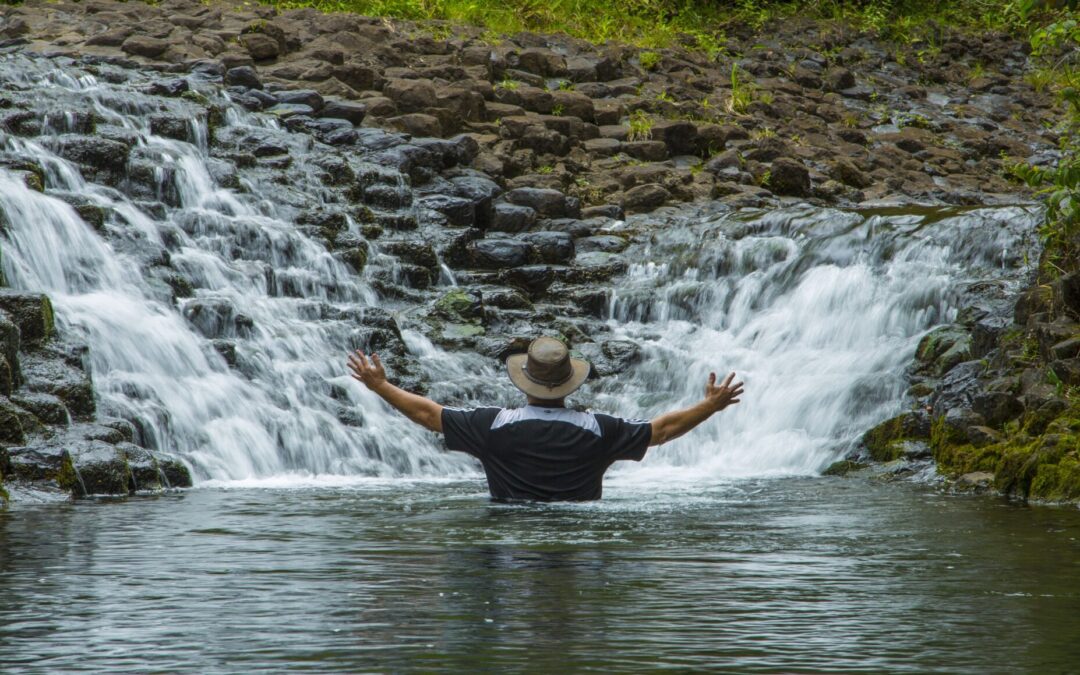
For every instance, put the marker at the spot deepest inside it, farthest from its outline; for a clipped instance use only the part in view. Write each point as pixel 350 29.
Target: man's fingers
pixel 733 401
pixel 712 379
pixel 728 379
pixel 375 359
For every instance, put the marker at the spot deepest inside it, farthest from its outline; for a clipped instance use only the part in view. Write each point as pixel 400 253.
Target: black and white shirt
pixel 546 454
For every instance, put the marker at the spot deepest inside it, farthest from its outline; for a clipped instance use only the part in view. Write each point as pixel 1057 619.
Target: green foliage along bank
pixel 692 23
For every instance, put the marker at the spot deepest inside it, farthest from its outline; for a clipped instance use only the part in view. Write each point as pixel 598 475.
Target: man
pixel 544 451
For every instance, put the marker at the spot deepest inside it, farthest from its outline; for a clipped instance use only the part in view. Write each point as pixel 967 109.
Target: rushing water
pixel 783 575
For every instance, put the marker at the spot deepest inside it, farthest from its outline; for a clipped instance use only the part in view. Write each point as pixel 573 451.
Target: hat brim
pixel 517 375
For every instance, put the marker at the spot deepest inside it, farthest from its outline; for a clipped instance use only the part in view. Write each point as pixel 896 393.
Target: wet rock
pixel 573 104
pixel 977 481
pixel 95 152
pixel 508 217
pixel 46 407
pixel 15 422
pixel 143 45
pixel 646 151
pixel 553 247
pixel 997 407
pixel 498 253
pixel 645 198
pixel 789 177
pixel 44 373
pixel 10 344
pixel 481 191
pixel 307 97
pixel 534 280
pixel 460 305
pixel 345 110
pixel 606 243
pixel 843 468
pixel 243 76
pixel 459 212
pixel 885 441
pixel 545 202
pixel 170 88
pixel 31 312
pixel 943 348
pixel 170 126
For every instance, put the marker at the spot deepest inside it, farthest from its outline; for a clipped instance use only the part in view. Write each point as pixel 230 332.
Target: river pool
pixel 780 575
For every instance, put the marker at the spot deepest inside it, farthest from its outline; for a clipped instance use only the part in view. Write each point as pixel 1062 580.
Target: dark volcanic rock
pixel 31 312
pixel 547 203
pixel 498 253
pixel 243 76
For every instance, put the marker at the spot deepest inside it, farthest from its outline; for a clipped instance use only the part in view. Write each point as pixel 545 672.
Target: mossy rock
pixel 886 441
pixel 843 468
pixel 1058 482
pixel 943 348
pixel 5 498
pixel 460 306
pixel 32 313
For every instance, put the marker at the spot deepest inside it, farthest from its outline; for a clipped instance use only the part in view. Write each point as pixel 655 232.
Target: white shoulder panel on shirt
pixel 582 420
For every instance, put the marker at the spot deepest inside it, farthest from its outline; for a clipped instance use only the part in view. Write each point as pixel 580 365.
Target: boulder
pixel 541 62
pixel 508 217
pixel 243 76
pixel 260 47
pixel 885 441
pixel 545 202
pixel 553 247
pixel 32 313
pixel 943 348
pixel 680 136
pixel 645 198
pixel 95 152
pixel 498 254
pixel 345 110
pixel 789 177
pixel 308 97
pixel 144 45
pixel 411 95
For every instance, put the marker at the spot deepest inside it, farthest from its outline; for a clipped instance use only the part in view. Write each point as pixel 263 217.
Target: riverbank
pixel 525 150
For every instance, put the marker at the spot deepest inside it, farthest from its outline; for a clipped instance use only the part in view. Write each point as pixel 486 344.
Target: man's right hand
pixel 724 395
pixel 370 373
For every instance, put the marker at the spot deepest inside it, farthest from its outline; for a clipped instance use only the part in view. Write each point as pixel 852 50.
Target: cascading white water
pixel 818 310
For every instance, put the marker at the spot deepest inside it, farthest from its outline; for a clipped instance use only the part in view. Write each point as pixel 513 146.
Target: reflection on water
pixel 793 575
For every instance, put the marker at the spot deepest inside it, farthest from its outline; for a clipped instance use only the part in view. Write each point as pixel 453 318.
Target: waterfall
pixel 818 310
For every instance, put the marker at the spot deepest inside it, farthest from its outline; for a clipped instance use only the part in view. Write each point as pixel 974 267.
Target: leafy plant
pixel 649 60
pixel 508 84
pixel 640 126
pixel 741 95
pixel 557 109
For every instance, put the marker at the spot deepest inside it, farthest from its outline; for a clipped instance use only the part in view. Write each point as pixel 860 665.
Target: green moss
pixel 5 498
pixel 885 442
pixel 68 478
pixel 48 318
pixel 843 468
pixel 454 303
pixel 1057 482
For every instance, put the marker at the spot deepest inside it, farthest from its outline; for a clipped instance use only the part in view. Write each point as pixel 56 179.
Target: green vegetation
pixel 648 60
pixel 696 24
pixel 640 126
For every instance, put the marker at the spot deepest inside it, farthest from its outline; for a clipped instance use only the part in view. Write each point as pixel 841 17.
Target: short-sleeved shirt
pixel 547 454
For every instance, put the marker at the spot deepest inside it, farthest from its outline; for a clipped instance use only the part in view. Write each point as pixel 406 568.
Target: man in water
pixel 544 451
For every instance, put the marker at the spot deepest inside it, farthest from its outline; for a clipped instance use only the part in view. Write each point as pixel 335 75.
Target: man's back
pixel 544 453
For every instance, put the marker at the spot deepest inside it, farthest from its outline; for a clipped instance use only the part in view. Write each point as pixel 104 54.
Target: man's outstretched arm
pixel 370 373
pixel 674 424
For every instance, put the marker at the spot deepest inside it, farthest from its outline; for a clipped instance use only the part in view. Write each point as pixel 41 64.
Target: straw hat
pixel 547 371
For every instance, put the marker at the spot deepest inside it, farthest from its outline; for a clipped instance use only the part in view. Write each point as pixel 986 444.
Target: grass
pixel 640 126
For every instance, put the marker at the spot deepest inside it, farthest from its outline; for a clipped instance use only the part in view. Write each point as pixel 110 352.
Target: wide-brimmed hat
pixel 547 371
